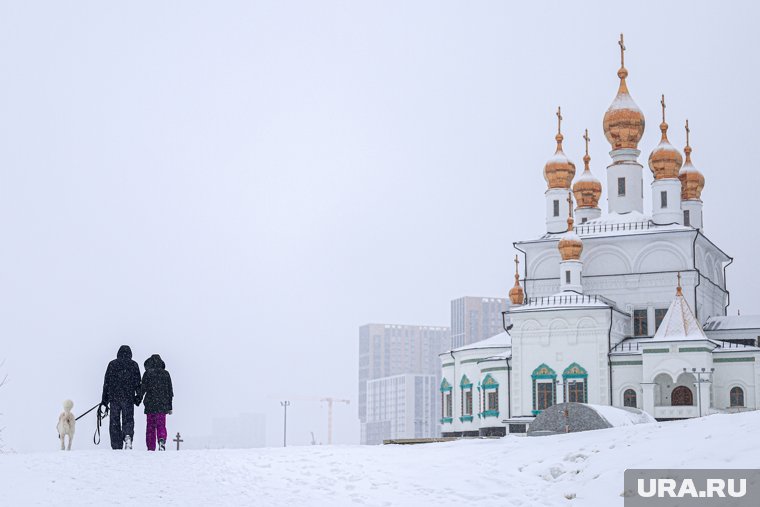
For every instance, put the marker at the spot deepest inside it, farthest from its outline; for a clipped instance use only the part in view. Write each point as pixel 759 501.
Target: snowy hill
pixel 509 471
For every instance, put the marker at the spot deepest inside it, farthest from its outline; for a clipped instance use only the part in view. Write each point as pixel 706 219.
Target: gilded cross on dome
pixel 687 132
pixel 517 264
pixel 587 139
pixel 622 51
pixel 559 120
pixel 662 102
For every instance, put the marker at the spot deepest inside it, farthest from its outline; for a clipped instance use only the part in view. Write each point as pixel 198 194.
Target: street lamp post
pixel 285 405
pixel 699 384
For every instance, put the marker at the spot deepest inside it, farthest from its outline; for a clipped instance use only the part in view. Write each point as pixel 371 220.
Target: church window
pixel 446 402
pixel 544 392
pixel 584 220
pixel 680 396
pixel 659 314
pixel 575 380
pixel 621 187
pixel 556 207
pixel 493 400
pixel 663 199
pixel 567 276
pixel 640 323
pixel 629 398
pixel 544 395
pixel 737 397
pixel 686 218
pixel 466 398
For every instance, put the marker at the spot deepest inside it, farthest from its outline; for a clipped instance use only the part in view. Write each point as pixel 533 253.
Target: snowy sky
pixel 239 185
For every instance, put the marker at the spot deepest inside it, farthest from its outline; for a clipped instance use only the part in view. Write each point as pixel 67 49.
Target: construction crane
pixel 330 402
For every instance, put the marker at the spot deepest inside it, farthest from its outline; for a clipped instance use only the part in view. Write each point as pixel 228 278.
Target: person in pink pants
pixel 157 388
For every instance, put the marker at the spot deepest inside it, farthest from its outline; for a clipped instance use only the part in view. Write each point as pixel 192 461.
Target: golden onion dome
pixel 516 293
pixel 623 122
pixel 692 181
pixel 570 245
pixel 559 170
pixel 587 189
pixel 665 161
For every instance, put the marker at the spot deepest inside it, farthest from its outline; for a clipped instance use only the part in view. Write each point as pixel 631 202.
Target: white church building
pixel 625 309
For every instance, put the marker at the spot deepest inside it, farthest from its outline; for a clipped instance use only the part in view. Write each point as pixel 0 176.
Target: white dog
pixel 66 423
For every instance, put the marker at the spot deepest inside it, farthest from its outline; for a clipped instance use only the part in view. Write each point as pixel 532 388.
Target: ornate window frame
pixel 543 374
pixel 489 384
pixel 575 372
pixel 446 402
pixel 465 386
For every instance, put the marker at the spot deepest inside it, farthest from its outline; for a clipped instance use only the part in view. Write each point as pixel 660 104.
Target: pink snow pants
pixel 155 429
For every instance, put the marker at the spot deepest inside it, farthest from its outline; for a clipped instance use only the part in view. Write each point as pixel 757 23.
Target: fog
pixel 240 185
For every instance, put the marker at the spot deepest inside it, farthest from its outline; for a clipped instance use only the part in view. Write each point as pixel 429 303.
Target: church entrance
pixel 681 396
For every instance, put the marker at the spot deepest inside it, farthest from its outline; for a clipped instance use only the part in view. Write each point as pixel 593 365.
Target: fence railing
pixel 626 226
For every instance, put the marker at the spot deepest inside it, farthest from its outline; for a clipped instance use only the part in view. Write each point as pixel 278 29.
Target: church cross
pixel 687 132
pixel 662 102
pixel 679 291
pixel 587 139
pixel 517 269
pixel 570 211
pixel 622 51
pixel 178 440
pixel 559 120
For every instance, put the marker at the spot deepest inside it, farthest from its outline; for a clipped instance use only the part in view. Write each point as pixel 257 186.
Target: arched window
pixel 544 394
pixel 737 397
pixel 575 380
pixel 466 399
pixel 629 398
pixel 446 402
pixel 680 396
pixel 490 390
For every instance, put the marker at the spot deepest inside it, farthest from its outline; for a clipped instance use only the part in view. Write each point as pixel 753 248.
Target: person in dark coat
pixel 157 389
pixel 121 392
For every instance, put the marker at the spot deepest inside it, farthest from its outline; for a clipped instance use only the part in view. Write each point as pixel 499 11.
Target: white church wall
pixel 626 374
pixel 736 369
pixel 557 339
pixel 497 369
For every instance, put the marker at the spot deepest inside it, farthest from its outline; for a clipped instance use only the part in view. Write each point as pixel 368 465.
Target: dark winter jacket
pixel 122 380
pixel 157 386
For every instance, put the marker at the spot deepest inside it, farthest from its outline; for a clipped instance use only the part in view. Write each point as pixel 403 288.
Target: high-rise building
pixel 476 318
pixel 401 406
pixel 387 350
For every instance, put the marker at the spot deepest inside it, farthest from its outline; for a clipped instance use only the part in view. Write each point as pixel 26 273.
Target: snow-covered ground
pixel 510 471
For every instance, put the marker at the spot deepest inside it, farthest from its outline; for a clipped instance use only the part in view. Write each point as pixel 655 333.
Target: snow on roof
pixel 564 299
pixel 732 322
pixel 624 101
pixel 622 416
pixel 679 323
pixel 500 340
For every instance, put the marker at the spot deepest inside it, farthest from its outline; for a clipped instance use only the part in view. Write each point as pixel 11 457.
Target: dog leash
pixel 101 413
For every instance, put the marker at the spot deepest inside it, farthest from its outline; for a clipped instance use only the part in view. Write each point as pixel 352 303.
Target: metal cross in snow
pixel 662 101
pixel 178 440
pixel 559 120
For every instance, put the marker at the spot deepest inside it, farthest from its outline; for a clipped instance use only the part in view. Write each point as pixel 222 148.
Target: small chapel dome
pixel 587 189
pixel 559 170
pixel 623 122
pixel 692 181
pixel 570 245
pixel 665 161
pixel 516 293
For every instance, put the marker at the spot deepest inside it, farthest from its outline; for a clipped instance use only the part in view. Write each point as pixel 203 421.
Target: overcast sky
pixel 240 185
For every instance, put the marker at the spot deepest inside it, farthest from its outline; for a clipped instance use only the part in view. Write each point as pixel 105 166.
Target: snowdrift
pixel 514 470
